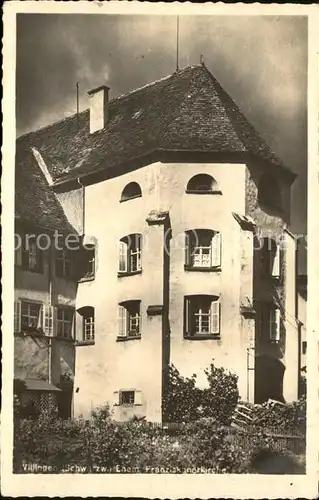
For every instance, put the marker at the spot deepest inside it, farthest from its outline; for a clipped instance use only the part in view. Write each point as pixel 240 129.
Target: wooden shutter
pixel 187 249
pixel 122 320
pixel 116 398
pixel 122 256
pixel 138 398
pixel 215 249
pixel 17 316
pixel 214 317
pixel 275 260
pixel 139 249
pixel 47 319
pixel 277 323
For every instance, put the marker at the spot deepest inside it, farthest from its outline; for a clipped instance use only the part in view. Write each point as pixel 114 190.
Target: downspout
pixel 83 205
pixel 51 291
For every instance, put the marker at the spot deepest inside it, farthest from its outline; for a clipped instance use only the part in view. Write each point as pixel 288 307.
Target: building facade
pixel 187 256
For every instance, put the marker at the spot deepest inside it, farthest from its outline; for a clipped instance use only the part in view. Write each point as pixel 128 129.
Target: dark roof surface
pixel 35 201
pixel 40 385
pixel 187 110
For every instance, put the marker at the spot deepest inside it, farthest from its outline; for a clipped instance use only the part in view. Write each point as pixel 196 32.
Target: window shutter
pixel 139 249
pixel 275 271
pixel 187 316
pixel 187 249
pixel 277 323
pixel 214 316
pixel 138 398
pixel 122 318
pixel 122 256
pixel 215 249
pixel 47 319
pixel 116 398
pixel 17 316
pixel 18 256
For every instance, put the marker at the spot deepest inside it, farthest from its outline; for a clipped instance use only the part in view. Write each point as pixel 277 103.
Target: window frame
pixel 192 244
pixel 125 319
pixel 27 253
pixel 138 194
pixel 212 185
pixel 270 323
pixel 29 328
pixel 214 311
pixel 66 258
pixel 88 274
pixel 64 309
pixel 127 251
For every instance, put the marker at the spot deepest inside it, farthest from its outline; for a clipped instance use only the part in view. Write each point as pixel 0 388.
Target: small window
pixel 64 322
pixel 32 255
pixel 270 323
pixel 269 192
pixel 202 249
pixel 270 258
pixel 30 316
pixel 304 347
pixel 87 263
pixel 127 398
pixel 130 252
pixel 62 264
pixel 131 191
pixel 202 316
pixel 129 317
pixel 88 323
pixel 202 184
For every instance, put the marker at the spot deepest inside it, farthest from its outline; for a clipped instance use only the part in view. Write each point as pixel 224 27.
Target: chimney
pixel 99 100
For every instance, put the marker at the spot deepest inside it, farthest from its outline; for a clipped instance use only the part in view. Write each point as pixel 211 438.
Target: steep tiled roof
pixel 35 201
pixel 187 110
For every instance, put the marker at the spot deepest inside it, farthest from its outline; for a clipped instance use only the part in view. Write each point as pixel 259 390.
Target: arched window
pixel 269 193
pixel 202 184
pixel 270 258
pixel 130 253
pixel 202 249
pixel 131 191
pixel 88 330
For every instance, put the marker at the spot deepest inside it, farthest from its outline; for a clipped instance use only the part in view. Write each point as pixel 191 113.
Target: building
pixel 184 213
pixel 45 292
pixel 302 317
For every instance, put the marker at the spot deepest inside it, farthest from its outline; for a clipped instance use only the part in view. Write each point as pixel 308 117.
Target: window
pixel 304 347
pixel 130 254
pixel 32 256
pixel 127 397
pixel 129 319
pixel 30 316
pixel 64 322
pixel 62 264
pixel 270 258
pixel 202 249
pixel 270 323
pixel 88 328
pixel 269 193
pixel 202 184
pixel 202 316
pixel 131 191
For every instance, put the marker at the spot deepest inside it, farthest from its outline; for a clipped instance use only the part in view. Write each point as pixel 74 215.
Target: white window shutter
pixel 116 398
pixel 275 271
pixel 138 398
pixel 17 316
pixel 277 323
pixel 214 317
pixel 47 319
pixel 122 320
pixel 122 256
pixel 139 248
pixel 215 249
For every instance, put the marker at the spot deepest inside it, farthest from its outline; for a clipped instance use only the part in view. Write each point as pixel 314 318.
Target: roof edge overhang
pixel 105 172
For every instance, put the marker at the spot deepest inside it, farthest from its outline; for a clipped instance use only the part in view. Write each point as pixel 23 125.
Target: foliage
pixel 184 402
pixel 283 416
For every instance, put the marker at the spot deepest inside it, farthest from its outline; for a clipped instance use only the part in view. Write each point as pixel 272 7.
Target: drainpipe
pixel 83 205
pixel 51 291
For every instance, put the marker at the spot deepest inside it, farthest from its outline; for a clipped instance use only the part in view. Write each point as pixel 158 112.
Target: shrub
pixel 184 402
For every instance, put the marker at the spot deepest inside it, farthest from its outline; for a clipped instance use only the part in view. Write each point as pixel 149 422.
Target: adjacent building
pixel 186 254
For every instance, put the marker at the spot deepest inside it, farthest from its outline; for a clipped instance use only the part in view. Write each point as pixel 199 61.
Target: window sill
pixel 208 336
pixel 129 337
pixel 127 405
pixel 213 269
pixel 87 278
pixel 122 274
pixel 84 342
pixel 131 198
pixel 194 191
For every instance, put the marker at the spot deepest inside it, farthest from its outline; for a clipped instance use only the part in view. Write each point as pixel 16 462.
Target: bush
pixel 184 402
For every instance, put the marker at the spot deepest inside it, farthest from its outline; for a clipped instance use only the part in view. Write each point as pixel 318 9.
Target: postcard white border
pixel 158 486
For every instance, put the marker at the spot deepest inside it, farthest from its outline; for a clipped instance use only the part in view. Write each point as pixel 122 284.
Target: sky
pixel 261 61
